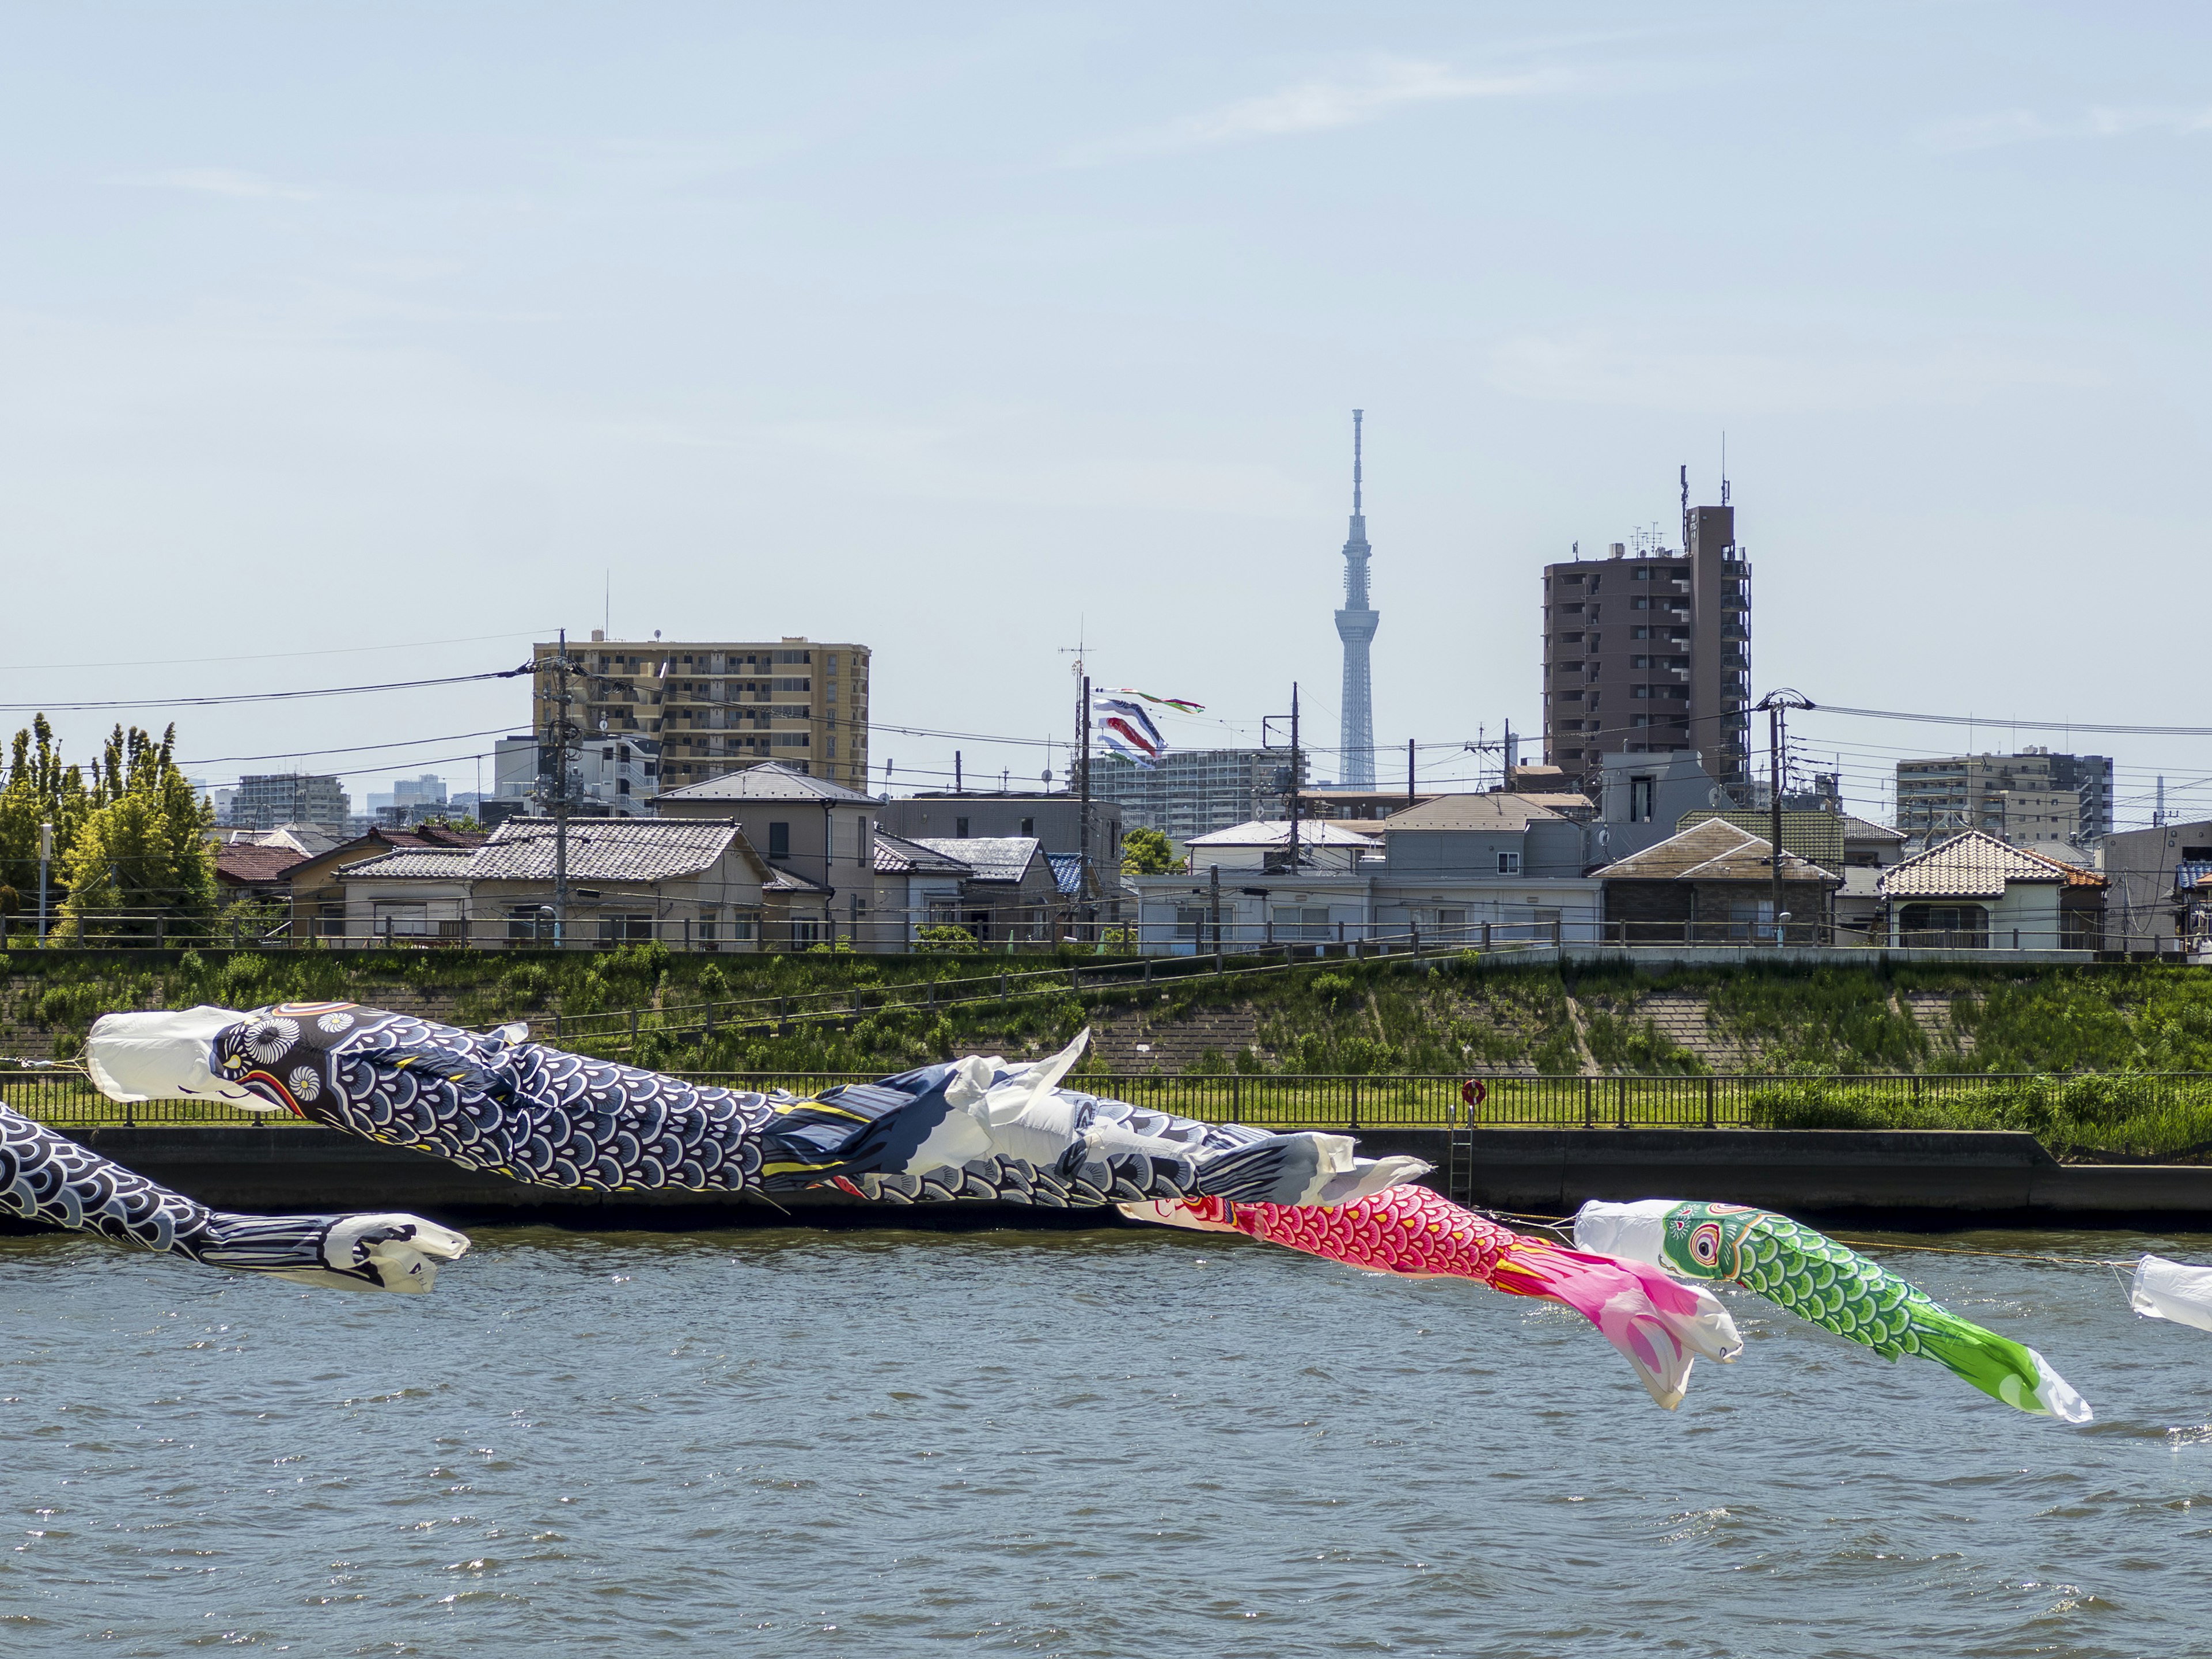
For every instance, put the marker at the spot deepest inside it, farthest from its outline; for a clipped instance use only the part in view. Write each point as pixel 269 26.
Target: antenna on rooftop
pixel 1724 479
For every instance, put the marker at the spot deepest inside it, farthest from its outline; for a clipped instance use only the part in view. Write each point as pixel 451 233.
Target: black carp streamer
pixel 970 1129
pixel 48 1178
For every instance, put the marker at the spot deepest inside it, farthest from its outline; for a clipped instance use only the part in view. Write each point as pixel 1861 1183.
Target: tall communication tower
pixel 1355 625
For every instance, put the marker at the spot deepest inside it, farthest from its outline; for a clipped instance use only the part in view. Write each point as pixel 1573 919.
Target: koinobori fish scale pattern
pixel 505 1105
pixel 47 1177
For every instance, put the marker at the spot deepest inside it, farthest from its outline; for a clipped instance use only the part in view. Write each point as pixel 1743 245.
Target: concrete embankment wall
pixel 1907 1178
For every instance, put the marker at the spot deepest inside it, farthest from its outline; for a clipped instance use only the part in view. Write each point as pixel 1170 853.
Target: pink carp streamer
pixel 1660 1324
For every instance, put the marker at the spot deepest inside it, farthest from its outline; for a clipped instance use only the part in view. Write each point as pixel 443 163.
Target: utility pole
pixel 1409 771
pixel 1295 782
pixel 46 857
pixel 1083 830
pixel 561 737
pixel 1778 704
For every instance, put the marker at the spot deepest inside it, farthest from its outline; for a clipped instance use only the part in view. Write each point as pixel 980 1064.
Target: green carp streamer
pixel 1827 1284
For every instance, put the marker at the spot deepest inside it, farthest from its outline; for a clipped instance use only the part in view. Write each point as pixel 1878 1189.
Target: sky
pixel 348 344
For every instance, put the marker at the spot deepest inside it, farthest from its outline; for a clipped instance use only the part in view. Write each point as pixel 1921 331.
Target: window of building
pixel 1640 792
pixel 1639 633
pixel 779 841
pixel 625 926
pixel 1957 926
pixel 1295 922
pixel 1640 602
pixel 1509 864
pixel 1028 826
pixel 1639 662
pixel 960 829
pixel 804 932
pixel 710 916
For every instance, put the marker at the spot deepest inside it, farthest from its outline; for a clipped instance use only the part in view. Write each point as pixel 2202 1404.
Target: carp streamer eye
pixel 1706 1246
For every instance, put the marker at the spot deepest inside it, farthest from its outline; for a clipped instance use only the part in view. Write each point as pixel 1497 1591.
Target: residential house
pixel 818 835
pixel 1713 883
pixel 1010 896
pixel 1974 891
pixel 1455 868
pixel 916 887
pixel 319 902
pixel 696 883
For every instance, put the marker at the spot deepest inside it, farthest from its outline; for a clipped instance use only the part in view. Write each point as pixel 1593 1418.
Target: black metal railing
pixel 67 1100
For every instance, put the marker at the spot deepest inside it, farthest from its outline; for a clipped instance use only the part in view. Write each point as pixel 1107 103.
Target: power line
pixel 266 656
pixel 2031 725
pixel 357 749
pixel 268 697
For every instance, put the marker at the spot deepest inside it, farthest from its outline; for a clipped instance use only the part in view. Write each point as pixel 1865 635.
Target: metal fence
pixel 1734 1100
pixel 1027 930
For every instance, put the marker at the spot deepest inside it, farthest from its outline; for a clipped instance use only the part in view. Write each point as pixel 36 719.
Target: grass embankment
pixel 2090 1034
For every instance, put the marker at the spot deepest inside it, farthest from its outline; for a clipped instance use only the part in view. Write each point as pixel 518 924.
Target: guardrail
pixel 1733 1100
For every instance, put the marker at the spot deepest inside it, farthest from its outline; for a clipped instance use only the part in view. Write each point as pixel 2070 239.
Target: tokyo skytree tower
pixel 1355 625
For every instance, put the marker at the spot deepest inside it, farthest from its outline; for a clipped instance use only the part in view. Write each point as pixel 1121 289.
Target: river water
pixel 1106 1443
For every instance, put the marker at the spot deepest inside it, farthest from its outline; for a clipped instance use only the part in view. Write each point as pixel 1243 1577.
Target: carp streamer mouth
pixel 284 1097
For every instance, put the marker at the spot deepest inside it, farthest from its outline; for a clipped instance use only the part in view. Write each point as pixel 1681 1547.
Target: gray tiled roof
pixel 898 856
pixel 992 858
pixel 1498 810
pixel 599 849
pixel 770 781
pixel 1713 850
pixel 415 864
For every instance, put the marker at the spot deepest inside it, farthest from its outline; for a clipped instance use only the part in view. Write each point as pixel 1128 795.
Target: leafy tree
pixel 1148 852
pixel 144 858
pixel 39 790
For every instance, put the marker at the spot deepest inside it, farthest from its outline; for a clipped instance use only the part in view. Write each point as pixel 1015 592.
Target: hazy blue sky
pixel 956 330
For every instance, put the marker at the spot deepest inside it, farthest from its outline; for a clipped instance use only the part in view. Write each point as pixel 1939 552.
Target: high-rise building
pixel 1194 791
pixel 1651 653
pixel 719 707
pixel 1355 625
pixel 266 800
pixel 2032 796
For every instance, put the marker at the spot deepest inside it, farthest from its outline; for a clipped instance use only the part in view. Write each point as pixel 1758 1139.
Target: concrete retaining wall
pixel 1933 1178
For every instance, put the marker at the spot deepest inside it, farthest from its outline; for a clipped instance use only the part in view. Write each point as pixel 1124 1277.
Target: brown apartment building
pixel 717 707
pixel 1650 654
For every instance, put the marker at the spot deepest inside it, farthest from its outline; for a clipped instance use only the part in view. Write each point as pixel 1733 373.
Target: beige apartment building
pixel 2023 798
pixel 711 707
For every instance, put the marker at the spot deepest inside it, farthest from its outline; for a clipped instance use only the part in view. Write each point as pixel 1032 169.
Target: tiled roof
pixel 1067 871
pixel 1276 832
pixel 780 880
pixel 252 866
pixel 1976 864
pixel 1714 850
pixel 1819 836
pixel 1859 829
pixel 1495 810
pixel 992 858
pixel 769 780
pixel 599 849
pixel 898 856
pixel 415 864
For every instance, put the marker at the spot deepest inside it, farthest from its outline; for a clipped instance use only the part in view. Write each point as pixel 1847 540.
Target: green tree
pixel 39 790
pixel 143 859
pixel 1148 852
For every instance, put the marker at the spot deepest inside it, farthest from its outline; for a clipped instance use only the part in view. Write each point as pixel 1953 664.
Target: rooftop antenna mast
pixel 1725 477
pixel 1685 507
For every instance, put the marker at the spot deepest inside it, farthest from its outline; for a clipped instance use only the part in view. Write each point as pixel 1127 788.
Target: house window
pixel 1190 922
pixel 530 923
pixel 330 920
pixel 1509 864
pixel 1955 926
pixel 804 932
pixel 709 922
pixel 1295 921
pixel 779 841
pixel 1640 803
pixel 624 927
pixel 960 829
pixel 1028 826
